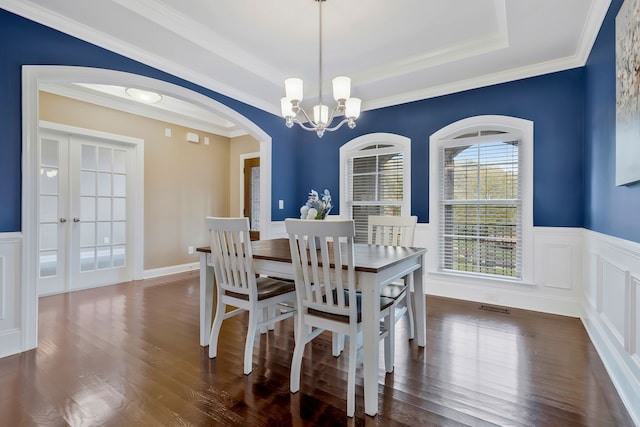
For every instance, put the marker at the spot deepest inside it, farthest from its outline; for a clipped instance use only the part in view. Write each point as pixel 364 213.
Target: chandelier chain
pixel 320 49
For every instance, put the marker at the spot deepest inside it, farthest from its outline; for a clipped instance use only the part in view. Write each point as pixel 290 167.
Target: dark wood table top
pixel 368 258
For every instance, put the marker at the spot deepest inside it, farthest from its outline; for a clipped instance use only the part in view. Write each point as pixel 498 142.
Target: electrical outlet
pixel 280 204
pixel 190 250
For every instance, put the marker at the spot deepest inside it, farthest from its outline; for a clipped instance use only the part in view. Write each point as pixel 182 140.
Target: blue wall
pixel 554 102
pixel 608 209
pixel 573 157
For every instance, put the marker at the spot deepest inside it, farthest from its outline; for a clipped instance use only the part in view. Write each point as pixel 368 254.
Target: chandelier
pixel 322 119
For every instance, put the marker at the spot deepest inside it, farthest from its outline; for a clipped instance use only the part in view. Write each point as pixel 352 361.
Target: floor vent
pixel 503 310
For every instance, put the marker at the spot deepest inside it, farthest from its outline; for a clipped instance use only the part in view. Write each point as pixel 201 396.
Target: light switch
pixel 167 132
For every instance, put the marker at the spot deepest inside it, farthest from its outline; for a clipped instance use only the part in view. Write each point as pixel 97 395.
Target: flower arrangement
pixel 316 207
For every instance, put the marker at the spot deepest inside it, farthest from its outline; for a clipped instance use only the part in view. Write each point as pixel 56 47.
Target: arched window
pixel 375 178
pixel 481 197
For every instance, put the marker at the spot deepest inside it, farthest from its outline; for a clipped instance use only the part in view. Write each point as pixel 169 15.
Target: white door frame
pixel 137 224
pixel 35 75
pixel 244 157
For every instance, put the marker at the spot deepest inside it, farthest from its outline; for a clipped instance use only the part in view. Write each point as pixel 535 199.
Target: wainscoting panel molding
pixel 556 258
pixel 612 310
pixel 613 294
pixel 10 288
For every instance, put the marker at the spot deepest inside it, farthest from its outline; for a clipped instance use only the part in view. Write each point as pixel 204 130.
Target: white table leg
pixel 206 299
pixel 370 345
pixel 419 300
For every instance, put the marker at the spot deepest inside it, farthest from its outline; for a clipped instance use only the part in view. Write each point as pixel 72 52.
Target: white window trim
pixel 493 122
pixel 355 145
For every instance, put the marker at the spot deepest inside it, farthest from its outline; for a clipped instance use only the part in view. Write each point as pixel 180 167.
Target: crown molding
pixel 86 33
pixel 475 83
pixel 595 18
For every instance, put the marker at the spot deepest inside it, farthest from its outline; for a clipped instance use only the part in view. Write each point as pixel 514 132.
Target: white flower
pixel 303 211
pixel 316 207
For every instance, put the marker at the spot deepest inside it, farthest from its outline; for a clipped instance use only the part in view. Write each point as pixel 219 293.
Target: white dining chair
pixel 322 253
pixel 266 299
pixel 389 230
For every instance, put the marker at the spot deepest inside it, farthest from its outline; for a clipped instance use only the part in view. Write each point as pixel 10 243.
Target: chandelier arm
pixel 306 127
pixel 338 126
pixel 306 116
pixel 332 115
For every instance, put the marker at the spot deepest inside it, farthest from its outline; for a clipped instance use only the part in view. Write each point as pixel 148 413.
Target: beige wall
pixel 183 182
pixel 240 145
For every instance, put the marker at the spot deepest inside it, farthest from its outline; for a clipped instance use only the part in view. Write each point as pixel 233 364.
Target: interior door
pixel 53 213
pixel 251 205
pixel 85 210
pixel 100 177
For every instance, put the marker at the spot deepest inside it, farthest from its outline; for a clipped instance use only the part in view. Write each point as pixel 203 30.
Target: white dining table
pixel 376 266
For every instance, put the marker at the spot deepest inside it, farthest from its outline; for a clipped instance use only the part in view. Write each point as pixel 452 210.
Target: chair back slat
pixel 322 255
pixel 231 254
pixel 389 230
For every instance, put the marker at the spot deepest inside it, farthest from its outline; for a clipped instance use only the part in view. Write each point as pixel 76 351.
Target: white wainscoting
pixel 11 332
pixel 612 311
pixel 556 285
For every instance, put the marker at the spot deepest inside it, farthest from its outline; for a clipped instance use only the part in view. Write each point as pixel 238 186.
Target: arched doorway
pixel 32 78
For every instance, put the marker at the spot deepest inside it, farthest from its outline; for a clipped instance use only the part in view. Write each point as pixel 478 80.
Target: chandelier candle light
pixel 322 120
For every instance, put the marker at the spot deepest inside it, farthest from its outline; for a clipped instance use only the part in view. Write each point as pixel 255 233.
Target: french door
pixel 85 212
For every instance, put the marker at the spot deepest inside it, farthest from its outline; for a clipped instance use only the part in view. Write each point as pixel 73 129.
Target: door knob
pixel 63 220
pixel 76 219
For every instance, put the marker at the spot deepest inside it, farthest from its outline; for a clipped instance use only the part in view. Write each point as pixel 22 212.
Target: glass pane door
pixel 100 243
pixel 53 188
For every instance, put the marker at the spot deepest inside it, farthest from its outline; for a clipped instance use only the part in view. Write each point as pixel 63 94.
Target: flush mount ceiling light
pixel 322 120
pixel 143 96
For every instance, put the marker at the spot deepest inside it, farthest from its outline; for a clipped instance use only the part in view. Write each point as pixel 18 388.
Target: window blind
pixel 481 206
pixel 375 184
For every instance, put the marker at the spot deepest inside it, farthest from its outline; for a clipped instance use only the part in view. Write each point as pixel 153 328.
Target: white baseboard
pixel 524 297
pixel 623 378
pixel 174 269
pixel 11 342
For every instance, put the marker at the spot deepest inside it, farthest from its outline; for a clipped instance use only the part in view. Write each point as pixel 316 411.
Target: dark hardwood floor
pixel 129 355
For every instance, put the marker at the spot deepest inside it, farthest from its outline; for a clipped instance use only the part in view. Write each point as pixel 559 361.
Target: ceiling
pixel 394 51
